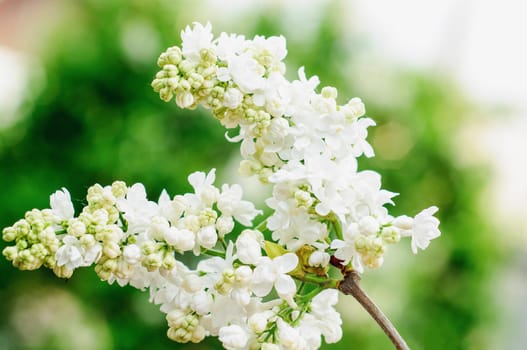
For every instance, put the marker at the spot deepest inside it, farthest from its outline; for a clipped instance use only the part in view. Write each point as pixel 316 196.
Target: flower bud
pixel 119 189
pixel 249 167
pixel 62 271
pixel 10 253
pixel 9 234
pixel 182 240
pixel 329 92
pixel 111 250
pixel 157 227
pixel 100 217
pixel 198 335
pixel 319 259
pixel 110 265
pixel 153 261
pixel 191 222
pixel 233 98
pixel 39 251
pixel 233 337
pixel 22 227
pixel 355 108
pixel 21 244
pixel 372 262
pixel 224 225
pixel 175 318
pixel 207 237
pixel 207 217
pixel 168 262
pixel 303 199
pixel 132 254
pixel 390 234
pixel 376 246
pixel 166 94
pixel 76 228
pixel 258 322
pixel 178 334
pixel 184 99
pixel 361 244
pixel 47 236
pixel 243 275
pixel 149 247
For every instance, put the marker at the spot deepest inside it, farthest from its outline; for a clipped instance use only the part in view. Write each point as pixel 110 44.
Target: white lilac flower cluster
pixel 273 285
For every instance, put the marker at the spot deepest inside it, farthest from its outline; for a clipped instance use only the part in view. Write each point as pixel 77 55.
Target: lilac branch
pixel 350 286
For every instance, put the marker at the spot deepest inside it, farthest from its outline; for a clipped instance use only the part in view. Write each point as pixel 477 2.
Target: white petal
pixel 285 286
pixel 286 262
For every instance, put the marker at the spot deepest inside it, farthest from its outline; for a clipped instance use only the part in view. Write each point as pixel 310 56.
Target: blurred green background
pixel 89 116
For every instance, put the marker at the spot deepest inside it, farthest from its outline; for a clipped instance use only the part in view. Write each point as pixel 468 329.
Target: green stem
pixel 213 252
pixel 262 226
pixel 302 285
pixel 123 221
pixel 338 228
pixel 310 295
pixel 223 244
pixel 322 281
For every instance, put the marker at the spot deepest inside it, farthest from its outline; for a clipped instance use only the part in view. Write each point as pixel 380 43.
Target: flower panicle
pixel 270 287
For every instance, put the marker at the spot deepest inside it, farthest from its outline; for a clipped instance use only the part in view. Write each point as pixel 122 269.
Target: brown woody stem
pixel 350 286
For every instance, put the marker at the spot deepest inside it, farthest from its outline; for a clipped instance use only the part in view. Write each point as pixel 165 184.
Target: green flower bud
pixel 21 244
pixel 111 250
pixel 168 262
pixel 390 234
pixel 33 216
pixel 185 67
pixel 22 226
pixel 207 56
pixel 207 217
pixel 62 271
pixel 329 92
pixel 166 94
pixel 76 228
pixel 110 265
pixel 149 247
pixel 94 193
pixel 361 244
pixel 172 55
pixel 39 251
pixel 10 253
pixel 153 261
pixel 47 215
pixel 9 234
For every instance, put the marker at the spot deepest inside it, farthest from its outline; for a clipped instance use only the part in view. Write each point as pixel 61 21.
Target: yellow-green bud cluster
pixel 184 327
pixel 372 247
pixel 191 84
pixel 35 240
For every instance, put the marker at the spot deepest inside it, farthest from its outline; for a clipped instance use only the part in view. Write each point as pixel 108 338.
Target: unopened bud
pixel 9 234
pixel 119 189
pixel 390 234
pixel 10 253
pixel 329 92
pixel 62 271
pixel 111 250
